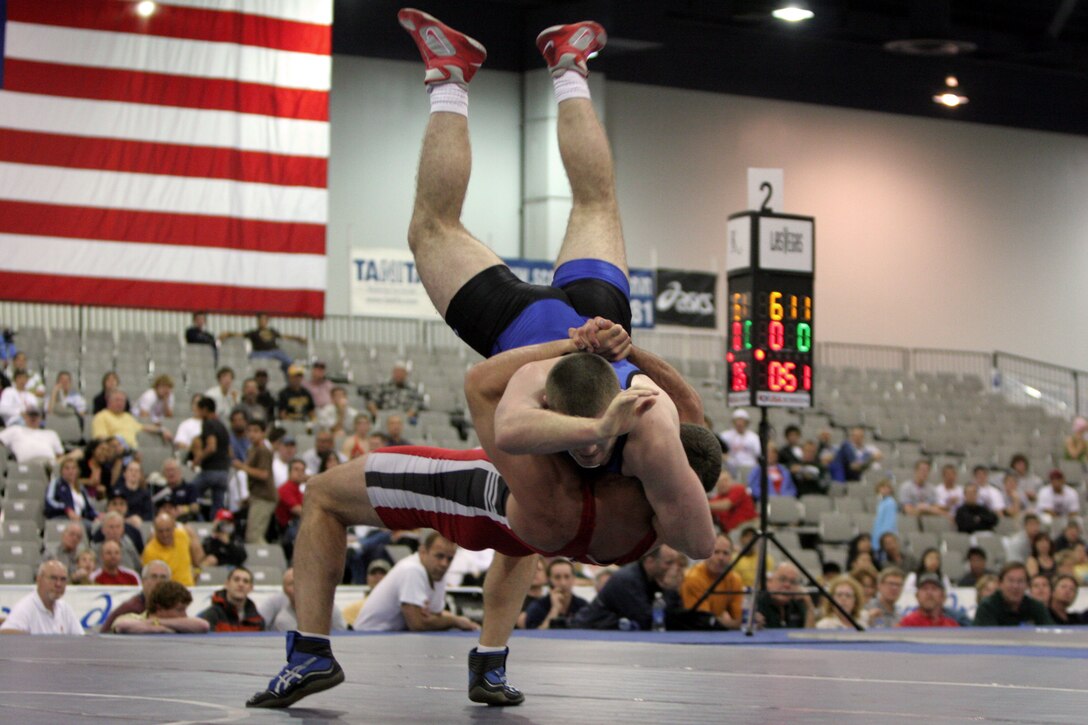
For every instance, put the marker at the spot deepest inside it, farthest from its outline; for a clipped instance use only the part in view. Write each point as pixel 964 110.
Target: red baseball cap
pixel 224 515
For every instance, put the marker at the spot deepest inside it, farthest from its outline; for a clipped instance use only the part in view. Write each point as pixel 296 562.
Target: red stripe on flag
pixel 177 22
pixel 163 89
pixel 159 295
pixel 121 225
pixel 145 157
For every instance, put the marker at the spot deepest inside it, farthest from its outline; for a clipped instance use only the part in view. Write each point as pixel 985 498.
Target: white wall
pixel 929 233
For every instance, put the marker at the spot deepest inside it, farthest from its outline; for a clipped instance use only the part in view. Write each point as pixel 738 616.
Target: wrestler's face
pixel 595 455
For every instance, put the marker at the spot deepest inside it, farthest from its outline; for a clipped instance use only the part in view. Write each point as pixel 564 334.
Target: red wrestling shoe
pixel 568 47
pixel 450 55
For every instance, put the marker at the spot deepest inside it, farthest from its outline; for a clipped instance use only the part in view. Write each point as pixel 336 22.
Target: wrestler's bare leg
pixel 507 582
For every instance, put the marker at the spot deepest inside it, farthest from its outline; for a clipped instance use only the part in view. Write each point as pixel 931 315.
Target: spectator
pixel 854 457
pixel 972 515
pixel 726 603
pixel 629 595
pixel 65 497
pixel 174 490
pixel 251 404
pixel 1041 560
pixel 324 443
pixel 100 468
pixel 264 342
pixel 1028 482
pixel 883 609
pixel 1039 588
pixel 732 505
pixel 34 382
pixel 286 449
pixel 1020 543
pixel 976 567
pixel 175 544
pixel 602 576
pixel 745 565
pixel 985 586
pixel 777 476
pixel 891 553
pixel 1014 501
pixel 295 401
pixel 859 551
pixel 221 546
pixel 930 611
pixel 866 575
pixel 374 574
pixel 1070 536
pixel 1076 444
pixel 355 445
pixel 561 604
pixel 397 394
pixel 803 462
pixel 1009 606
pixel 262 487
pixel 64 400
pixel 949 493
pixel 413 595
pixel 930 564
pixel 29 442
pixel 320 387
pixel 197 335
pixel 885 521
pixel 337 416
pixel 133 488
pixel 989 495
pixel 42 611
pixel 114 421
pixel 264 395
pixel 110 383
pixel 113 530
pixel 153 574
pixel 288 510
pixel 847 594
pixel 165 614
pixel 157 402
pixel 1063 597
pixel 1070 561
pixel 278 610
pixel 239 443
pixel 783 605
pixel 223 393
pixel 744 447
pixel 17 400
pixel 917 497
pixel 232 610
pixel 7 347
pixel 394 432
pixel 1057 499
pixel 112 572
pixel 86 563
pixel 211 452
pixel 189 429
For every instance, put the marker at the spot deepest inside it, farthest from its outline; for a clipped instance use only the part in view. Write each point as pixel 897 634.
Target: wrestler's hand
pixel 625 410
pixel 602 337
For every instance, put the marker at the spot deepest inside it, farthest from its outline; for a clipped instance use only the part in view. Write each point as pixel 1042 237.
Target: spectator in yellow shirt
pixel 114 421
pixel 726 607
pixel 176 545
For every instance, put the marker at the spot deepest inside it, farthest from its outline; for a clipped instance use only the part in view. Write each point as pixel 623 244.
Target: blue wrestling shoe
pixel 310 668
pixel 487 679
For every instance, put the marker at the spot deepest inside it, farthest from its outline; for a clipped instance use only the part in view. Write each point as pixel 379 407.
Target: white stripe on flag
pixel 318 12
pixel 176 56
pixel 162 262
pixel 164 124
pixel 171 194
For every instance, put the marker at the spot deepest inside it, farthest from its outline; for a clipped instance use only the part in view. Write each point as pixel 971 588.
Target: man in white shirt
pixel 190 427
pixel 949 493
pixel 743 444
pixel 42 611
pixel 224 395
pixel 413 595
pixel 157 402
pixel 1057 499
pixel 337 416
pixel 29 442
pixel 17 399
pixel 285 451
pixel 989 495
pixel 324 445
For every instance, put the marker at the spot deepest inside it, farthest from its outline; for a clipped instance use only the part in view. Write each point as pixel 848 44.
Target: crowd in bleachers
pixel 129 483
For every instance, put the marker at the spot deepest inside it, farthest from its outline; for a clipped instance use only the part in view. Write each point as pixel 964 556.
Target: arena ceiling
pixel 1028 67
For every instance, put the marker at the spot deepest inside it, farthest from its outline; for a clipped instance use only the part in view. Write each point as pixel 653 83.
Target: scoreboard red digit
pixel 771 310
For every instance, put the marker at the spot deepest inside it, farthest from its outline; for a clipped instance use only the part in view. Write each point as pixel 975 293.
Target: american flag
pixel 174 161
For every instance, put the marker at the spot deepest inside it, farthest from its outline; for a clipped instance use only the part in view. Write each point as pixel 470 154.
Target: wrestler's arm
pixel 688 403
pixel 486 381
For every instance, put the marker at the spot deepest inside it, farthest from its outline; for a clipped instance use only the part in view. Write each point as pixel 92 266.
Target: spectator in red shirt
pixel 732 505
pixel 111 572
pixel 289 507
pixel 930 611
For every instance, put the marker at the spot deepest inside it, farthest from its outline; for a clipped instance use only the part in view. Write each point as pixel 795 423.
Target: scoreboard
pixel 771 310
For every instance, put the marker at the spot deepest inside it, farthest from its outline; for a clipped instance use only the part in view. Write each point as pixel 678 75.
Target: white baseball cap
pixel 740 413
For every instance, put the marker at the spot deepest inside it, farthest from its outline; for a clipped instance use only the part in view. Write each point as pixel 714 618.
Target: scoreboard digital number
pixel 771 311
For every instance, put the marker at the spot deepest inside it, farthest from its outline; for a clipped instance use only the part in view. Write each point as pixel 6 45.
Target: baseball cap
pixel 1056 473
pixel 224 515
pixel 740 413
pixel 378 565
pixel 930 578
pixel 296 370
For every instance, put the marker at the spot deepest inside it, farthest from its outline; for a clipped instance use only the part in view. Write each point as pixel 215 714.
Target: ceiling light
pixel 950 96
pixel 793 12
pixel 146 8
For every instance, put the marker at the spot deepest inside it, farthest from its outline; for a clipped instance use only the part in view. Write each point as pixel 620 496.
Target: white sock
pixel 485 650
pixel 449 97
pixel 570 84
pixel 311 635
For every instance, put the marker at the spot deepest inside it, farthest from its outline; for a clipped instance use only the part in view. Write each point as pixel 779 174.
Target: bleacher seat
pixel 919 541
pixel 956 542
pixel 25 509
pixel 994 548
pixel 836 528
pixel 21 552
pixel 54 529
pixel 849 505
pixel 935 524
pixel 784 511
pixel 213 576
pixel 265 574
pixel 19 530
pixel 265 555
pixel 16 574
pixel 815 504
pixel 67 428
pixel 31 470
pixel 26 489
pixel 862 521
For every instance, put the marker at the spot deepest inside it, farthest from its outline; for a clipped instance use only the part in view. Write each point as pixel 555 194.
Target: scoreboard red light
pixel 771 310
